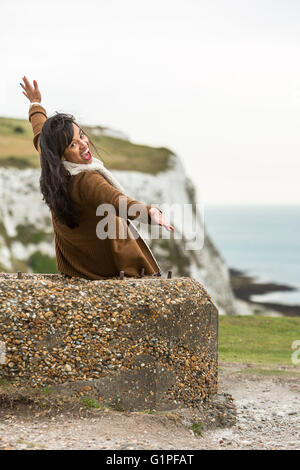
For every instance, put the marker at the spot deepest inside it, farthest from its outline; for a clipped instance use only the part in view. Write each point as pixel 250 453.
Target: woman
pixel 74 184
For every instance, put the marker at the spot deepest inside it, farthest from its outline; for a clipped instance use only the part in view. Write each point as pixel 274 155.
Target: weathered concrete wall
pixel 142 343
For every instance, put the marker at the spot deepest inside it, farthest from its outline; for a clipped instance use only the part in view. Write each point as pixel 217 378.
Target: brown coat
pixel 79 252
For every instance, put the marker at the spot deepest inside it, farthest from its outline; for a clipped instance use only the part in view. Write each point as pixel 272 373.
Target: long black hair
pixel 57 133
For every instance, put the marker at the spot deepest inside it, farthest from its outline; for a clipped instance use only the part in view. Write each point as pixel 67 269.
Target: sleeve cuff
pixel 36 109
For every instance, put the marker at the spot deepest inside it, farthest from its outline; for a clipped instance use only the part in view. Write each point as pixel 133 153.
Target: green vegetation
pixel 91 403
pixel 18 265
pixel 30 444
pixel 16 162
pixel 40 263
pixel 257 339
pixel 197 428
pixel 175 256
pixel 150 412
pixel 15 127
pixel 119 154
pixel 116 404
pixel 29 234
pixel 17 150
pixel 2 268
pixel 4 383
pixel 16 144
pixel 3 233
pixel 269 371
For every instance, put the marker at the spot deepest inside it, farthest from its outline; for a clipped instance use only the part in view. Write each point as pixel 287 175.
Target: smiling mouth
pixel 86 156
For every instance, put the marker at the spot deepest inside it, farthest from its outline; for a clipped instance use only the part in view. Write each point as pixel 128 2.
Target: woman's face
pixel 78 151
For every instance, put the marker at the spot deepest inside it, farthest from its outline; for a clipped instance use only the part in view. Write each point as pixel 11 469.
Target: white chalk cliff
pixel 22 211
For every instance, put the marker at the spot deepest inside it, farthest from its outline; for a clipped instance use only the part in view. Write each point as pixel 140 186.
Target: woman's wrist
pixel 153 209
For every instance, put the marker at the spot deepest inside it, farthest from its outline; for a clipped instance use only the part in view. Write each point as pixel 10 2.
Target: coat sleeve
pixel 37 117
pixel 92 189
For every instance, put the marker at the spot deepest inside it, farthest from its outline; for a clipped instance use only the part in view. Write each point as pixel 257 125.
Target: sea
pixel 262 241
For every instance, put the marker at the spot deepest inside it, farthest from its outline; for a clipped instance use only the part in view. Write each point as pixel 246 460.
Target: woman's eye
pixel 81 136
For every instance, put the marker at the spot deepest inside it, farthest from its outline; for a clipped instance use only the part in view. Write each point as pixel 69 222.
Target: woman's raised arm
pixel 37 113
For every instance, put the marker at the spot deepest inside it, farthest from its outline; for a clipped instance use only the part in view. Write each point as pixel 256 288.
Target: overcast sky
pixel 216 81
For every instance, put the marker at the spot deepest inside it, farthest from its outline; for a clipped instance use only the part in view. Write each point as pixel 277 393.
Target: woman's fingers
pixel 29 89
pixel 32 92
pixel 169 227
pixel 27 83
pixel 159 219
pixel 25 87
pixel 36 90
pixel 164 223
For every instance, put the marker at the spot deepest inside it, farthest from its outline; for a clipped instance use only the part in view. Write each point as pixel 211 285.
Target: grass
pixel 271 372
pixel 116 404
pixel 18 128
pixel 29 234
pixel 17 150
pixel 176 256
pixel 119 154
pixel 4 383
pixel 150 412
pixel 257 339
pixel 197 428
pixel 40 263
pixel 30 444
pixel 21 163
pixel 90 403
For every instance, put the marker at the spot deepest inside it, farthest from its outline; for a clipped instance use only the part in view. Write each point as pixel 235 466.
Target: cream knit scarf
pixel 98 165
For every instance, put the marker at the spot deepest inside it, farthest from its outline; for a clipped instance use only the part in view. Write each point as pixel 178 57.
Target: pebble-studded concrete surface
pixel 145 342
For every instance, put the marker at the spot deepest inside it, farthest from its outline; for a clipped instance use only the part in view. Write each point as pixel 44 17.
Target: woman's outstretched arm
pixel 92 189
pixel 37 113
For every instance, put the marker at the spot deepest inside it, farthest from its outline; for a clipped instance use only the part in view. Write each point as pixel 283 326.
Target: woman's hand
pixel 31 92
pixel 158 219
